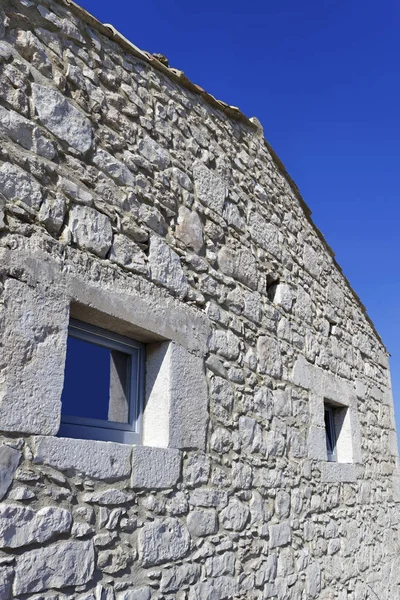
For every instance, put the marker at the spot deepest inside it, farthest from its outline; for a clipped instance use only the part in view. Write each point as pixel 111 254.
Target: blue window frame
pixel 330 432
pixel 102 398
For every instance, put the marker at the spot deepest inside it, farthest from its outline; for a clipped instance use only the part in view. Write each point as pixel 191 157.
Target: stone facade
pixel 131 199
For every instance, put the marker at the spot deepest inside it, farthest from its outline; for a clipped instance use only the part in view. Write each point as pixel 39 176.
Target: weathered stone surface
pixel 163 540
pixel 9 460
pixel 269 356
pixel 166 267
pixel 155 468
pixel 235 516
pixel 110 497
pixel 52 213
pixel 90 229
pixel 239 264
pixel 19 186
pixel 220 588
pixel 25 133
pixel 202 522
pixel 279 535
pixel 154 153
pixel 56 566
pixel 215 566
pixel 62 118
pixel 101 460
pixel 6 573
pixel 114 168
pixel 190 229
pixel 209 188
pixel 33 329
pixel 129 255
pixel 142 593
pixel 20 526
pixel 265 234
pixel 176 578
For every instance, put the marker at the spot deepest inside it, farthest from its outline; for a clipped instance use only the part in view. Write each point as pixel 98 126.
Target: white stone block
pixel 9 460
pixel 163 540
pixel 100 460
pixel 56 566
pixel 155 468
pixel 20 525
pixel 62 118
pixel 33 331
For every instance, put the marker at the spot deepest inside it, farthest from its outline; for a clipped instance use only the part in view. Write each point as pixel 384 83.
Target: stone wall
pixel 131 199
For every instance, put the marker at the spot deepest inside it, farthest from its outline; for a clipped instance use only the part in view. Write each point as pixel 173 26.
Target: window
pixel 330 433
pixel 103 385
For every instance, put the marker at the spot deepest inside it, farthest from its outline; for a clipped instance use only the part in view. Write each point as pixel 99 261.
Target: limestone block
pixel 235 516
pixel 2 24
pixel 269 356
pixel 156 155
pixel 100 460
pixel 6 573
pixel 242 476
pixel 114 168
pixel 129 255
pixel 240 264
pixel 311 261
pixel 284 296
pixel 25 133
pixel 215 566
pixel 313 581
pixel 252 306
pixel 33 332
pixel 197 469
pixel 218 588
pixel 209 498
pixel 155 468
pixel 209 188
pixel 166 268
pixel 163 540
pixel 176 578
pixel 52 213
pixel 20 525
pixel 265 234
pixel 56 566
pixel 90 229
pixel 189 228
pixel 62 118
pixel 110 497
pixel 335 472
pixel 279 535
pixel 19 186
pixel 202 522
pixel 9 460
pixel 316 443
pixel 225 343
pixel 303 305
pixel 176 414
pixel 142 593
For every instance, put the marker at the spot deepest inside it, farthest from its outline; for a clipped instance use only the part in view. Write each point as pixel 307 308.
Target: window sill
pixel 147 467
pixel 335 472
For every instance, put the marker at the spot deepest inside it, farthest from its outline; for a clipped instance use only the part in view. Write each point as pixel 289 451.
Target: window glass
pixel 103 385
pixel 330 434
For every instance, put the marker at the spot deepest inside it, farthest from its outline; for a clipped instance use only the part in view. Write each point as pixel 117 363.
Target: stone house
pixel 194 404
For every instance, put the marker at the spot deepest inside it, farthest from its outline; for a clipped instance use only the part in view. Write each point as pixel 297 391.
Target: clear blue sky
pixel 322 76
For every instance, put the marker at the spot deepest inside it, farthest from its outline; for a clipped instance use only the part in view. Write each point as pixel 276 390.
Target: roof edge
pixel 231 111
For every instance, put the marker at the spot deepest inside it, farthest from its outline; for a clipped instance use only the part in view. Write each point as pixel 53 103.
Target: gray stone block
pixel 155 468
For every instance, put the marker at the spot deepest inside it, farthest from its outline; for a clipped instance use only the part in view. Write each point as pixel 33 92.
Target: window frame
pixel 98 429
pixel 330 429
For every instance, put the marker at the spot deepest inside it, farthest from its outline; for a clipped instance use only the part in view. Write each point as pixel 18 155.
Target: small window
pixel 330 433
pixel 103 385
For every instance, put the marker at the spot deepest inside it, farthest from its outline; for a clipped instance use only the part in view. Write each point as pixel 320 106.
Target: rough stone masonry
pixel 131 199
